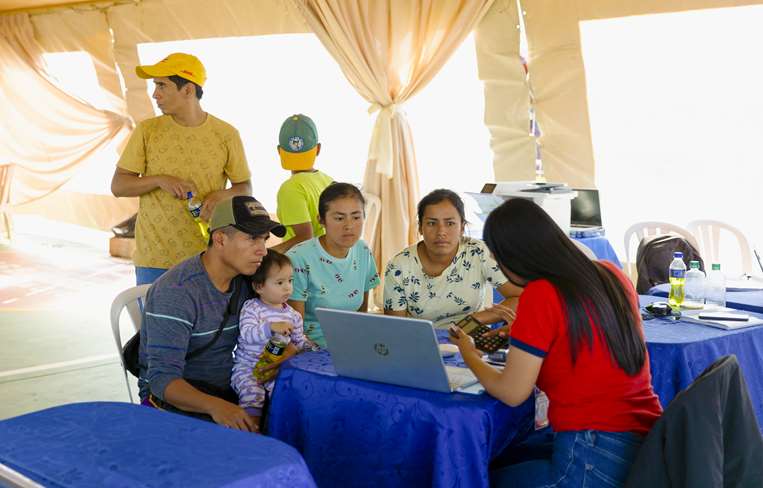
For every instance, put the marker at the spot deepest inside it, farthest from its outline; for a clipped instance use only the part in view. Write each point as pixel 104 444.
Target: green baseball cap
pixel 298 134
pixel 246 214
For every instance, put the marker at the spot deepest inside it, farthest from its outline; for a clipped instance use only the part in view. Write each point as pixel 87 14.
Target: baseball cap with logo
pixel 183 65
pixel 245 214
pixel 297 142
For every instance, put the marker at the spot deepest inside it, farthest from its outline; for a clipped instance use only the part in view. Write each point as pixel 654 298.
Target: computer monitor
pixel 584 209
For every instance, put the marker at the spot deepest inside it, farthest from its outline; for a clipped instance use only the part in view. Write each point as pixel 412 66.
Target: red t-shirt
pixel 595 393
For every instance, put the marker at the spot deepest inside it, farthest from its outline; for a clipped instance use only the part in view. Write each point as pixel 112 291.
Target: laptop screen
pixel 584 209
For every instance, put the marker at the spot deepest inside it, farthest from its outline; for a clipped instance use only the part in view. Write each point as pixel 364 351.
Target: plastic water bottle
pixel 695 287
pixel 194 207
pixel 677 278
pixel 273 350
pixel 715 287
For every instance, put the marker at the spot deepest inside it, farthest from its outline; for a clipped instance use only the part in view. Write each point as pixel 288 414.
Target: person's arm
pixel 168 322
pixel 128 184
pixel 364 305
pixel 302 232
pixel 185 397
pixel 397 313
pixel 514 384
pixel 500 312
pixel 298 337
pixel 298 306
pixel 493 275
pixel 243 188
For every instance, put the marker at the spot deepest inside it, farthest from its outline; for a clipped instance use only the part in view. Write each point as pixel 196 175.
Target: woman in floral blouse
pixel 446 275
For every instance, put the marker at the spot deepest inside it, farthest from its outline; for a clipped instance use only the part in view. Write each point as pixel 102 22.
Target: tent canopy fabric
pixel 110 31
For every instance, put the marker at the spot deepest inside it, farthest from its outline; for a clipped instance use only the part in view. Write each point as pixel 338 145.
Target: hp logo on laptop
pixel 381 349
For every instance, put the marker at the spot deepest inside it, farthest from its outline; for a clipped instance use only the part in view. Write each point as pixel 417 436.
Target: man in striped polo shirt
pixel 190 321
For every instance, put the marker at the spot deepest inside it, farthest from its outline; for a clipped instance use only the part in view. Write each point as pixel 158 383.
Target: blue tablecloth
pixel 679 351
pixel 750 300
pixel 601 246
pixel 126 445
pixel 361 433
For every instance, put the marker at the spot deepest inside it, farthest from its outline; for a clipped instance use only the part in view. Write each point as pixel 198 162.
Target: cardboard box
pixel 122 247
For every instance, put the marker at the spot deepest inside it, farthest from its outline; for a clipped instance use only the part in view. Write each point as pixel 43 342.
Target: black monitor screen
pixel 585 208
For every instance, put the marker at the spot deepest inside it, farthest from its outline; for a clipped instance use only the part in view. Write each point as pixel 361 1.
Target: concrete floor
pixel 56 344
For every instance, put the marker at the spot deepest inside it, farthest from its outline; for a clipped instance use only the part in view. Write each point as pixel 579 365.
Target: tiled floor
pixel 55 336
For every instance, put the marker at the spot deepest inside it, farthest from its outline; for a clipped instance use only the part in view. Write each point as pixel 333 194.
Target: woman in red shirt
pixel 578 336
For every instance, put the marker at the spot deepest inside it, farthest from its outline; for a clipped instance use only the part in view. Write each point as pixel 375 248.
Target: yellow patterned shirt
pixel 207 155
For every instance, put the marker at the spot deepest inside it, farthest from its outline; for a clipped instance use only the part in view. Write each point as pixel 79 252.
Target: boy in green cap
pixel 298 196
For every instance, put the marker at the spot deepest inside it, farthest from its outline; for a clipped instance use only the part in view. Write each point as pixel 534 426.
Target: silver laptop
pixel 395 350
pixel 585 211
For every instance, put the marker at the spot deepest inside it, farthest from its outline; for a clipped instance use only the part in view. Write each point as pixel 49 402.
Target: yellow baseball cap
pixel 183 65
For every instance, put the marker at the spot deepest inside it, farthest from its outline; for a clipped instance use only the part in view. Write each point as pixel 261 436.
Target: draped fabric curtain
pixel 558 77
pixel 84 29
pixel 389 50
pixel 46 134
pixel 507 92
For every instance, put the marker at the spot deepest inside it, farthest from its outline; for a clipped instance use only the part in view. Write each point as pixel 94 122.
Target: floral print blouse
pixel 459 290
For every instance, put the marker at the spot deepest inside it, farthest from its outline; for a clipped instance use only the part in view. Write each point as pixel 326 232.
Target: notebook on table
pixel 395 350
pixel 722 318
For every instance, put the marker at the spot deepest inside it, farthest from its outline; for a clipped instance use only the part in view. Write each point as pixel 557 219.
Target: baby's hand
pixel 284 328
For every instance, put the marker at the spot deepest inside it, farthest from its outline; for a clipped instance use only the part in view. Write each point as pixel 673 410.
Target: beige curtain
pixel 389 50
pixel 558 77
pixel 47 134
pixel 86 30
pixel 507 94
pixel 558 80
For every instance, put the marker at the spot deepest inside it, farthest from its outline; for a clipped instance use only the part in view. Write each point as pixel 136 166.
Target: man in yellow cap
pixel 183 154
pixel 298 147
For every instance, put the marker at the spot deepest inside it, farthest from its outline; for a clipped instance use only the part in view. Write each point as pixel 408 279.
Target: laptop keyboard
pixel 458 377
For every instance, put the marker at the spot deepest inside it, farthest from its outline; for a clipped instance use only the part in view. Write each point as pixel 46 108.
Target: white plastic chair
pixel 708 233
pixel 127 299
pixel 11 478
pixel 643 229
pixel 371 224
pixel 373 212
pixel 586 250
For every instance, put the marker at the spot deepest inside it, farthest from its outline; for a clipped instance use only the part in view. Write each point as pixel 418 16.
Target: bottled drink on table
pixel 695 287
pixel 677 278
pixel 273 350
pixel 715 287
pixel 194 207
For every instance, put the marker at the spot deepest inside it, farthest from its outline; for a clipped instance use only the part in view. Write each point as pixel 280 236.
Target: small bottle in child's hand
pixel 284 328
pixel 274 349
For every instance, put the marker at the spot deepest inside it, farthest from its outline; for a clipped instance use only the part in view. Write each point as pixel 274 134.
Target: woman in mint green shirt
pixel 337 269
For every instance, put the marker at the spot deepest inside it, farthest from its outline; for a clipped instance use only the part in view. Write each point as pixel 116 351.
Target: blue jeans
pixel 146 276
pixel 588 458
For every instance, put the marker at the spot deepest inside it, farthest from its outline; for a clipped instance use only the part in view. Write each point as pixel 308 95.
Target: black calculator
pixel 475 330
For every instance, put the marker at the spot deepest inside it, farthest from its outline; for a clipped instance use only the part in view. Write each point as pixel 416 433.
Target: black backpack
pixel 654 256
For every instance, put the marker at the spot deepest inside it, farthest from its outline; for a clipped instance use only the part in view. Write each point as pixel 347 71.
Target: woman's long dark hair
pixel 526 241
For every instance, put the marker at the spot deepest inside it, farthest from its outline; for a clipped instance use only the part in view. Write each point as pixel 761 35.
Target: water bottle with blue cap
pixel 194 207
pixel 677 279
